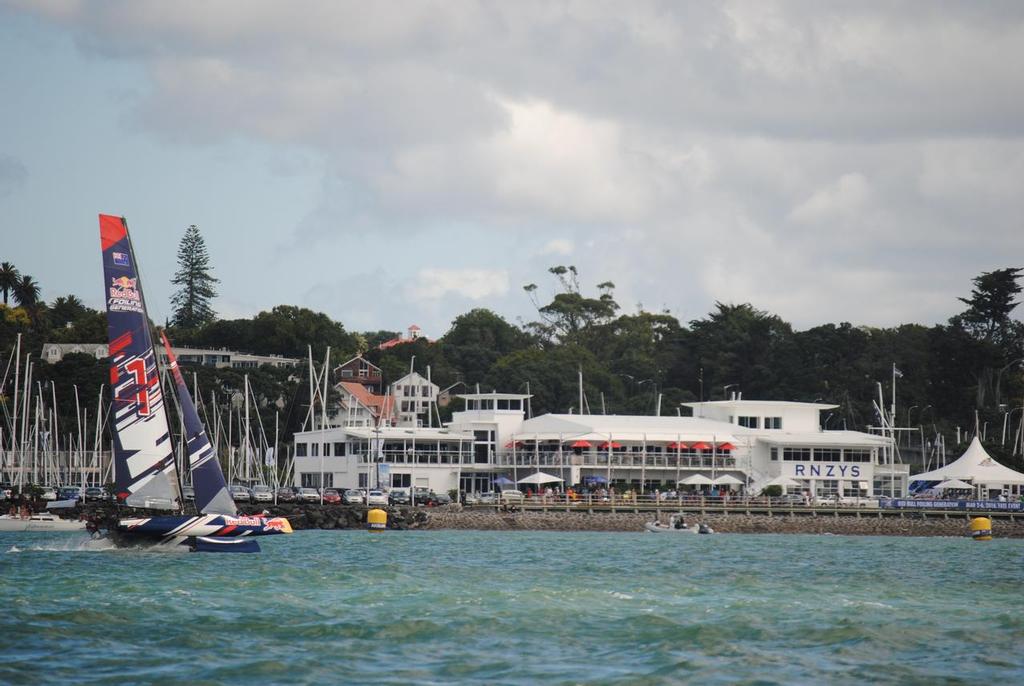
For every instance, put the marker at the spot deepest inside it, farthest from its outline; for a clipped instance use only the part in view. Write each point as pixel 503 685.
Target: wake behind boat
pixel 144 469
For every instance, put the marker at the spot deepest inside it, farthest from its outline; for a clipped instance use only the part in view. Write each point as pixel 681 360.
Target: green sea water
pixel 467 607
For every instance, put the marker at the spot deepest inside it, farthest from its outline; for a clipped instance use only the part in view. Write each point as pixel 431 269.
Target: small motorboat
pixel 43 521
pixel 676 525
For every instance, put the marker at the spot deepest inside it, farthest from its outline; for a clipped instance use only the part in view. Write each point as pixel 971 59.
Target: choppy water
pixel 444 607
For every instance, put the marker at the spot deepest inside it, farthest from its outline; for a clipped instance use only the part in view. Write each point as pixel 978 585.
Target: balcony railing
pixel 665 460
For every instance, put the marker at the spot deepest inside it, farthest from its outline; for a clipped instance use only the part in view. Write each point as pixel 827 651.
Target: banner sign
pixel 923 504
pixel 384 474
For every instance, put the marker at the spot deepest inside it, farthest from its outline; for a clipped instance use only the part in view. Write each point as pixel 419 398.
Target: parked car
pixel 98 493
pixel 511 495
pixel 376 498
pixel 488 498
pixel 470 499
pixel 790 499
pixel 286 494
pixel 49 493
pixel 188 492
pixel 262 493
pixel 399 496
pixel 70 493
pixel 439 499
pixel 6 491
pixel 309 495
pixel 421 494
pixel 240 494
pixel 331 496
pixel 353 497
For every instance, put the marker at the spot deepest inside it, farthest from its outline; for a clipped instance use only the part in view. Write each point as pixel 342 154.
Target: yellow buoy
pixel 376 520
pixel 981 529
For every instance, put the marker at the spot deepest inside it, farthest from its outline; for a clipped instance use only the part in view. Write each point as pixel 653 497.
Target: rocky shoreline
pixel 316 516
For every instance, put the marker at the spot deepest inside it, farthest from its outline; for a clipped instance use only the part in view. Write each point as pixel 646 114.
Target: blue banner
pixel 926 504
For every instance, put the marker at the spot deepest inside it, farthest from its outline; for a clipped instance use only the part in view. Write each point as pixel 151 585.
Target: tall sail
pixel 212 496
pixel 144 470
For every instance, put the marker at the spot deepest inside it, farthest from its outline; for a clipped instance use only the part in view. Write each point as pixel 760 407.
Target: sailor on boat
pixel 145 474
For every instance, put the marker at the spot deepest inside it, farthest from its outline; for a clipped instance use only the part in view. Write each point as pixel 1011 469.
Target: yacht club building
pixel 735 445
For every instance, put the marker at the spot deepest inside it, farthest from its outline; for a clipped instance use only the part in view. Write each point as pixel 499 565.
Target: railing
pixel 681 501
pixel 664 460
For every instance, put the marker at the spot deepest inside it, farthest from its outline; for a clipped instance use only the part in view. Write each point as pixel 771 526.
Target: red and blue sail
pixel 212 495
pixel 144 471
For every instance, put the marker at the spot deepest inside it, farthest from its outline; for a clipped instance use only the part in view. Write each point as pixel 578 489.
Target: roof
pixel 823 438
pixel 378 404
pixel 494 396
pixel 395 433
pixel 359 358
pixel 769 403
pixel 599 427
pixel 974 465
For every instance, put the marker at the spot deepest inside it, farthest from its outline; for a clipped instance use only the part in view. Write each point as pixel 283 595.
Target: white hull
pixel 40 523
pixel 659 528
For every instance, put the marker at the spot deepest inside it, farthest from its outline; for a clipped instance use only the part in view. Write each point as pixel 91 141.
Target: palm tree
pixel 66 308
pixel 26 291
pixel 8 278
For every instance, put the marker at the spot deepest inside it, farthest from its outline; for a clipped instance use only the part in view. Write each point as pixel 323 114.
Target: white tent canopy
pixel 540 478
pixel 727 480
pixel 782 480
pixel 696 480
pixel 976 466
pixel 953 484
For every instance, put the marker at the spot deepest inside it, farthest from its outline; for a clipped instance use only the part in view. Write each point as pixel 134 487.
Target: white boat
pixel 676 525
pixel 44 521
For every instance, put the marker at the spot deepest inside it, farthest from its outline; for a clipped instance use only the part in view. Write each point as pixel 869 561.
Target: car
pixel 439 499
pixel 6 491
pixel 399 496
pixel 421 494
pixel 511 495
pixel 286 494
pixel 262 493
pixel 353 496
pixel 48 493
pixel 189 493
pixel 790 499
pixel 331 496
pixel 309 495
pixel 240 494
pixel 69 493
pixel 470 499
pixel 376 498
pixel 98 493
pixel 488 498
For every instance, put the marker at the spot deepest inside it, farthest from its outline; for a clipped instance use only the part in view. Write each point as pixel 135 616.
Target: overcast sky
pixel 391 163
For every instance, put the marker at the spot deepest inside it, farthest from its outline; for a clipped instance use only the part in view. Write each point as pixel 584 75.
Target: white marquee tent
pixel 977 467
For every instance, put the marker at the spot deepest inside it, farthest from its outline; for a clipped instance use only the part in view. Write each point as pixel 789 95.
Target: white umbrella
pixel 697 480
pixel 540 478
pixel 783 480
pixel 953 484
pixel 727 479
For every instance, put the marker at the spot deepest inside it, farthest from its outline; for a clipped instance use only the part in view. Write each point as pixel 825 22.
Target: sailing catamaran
pixel 145 474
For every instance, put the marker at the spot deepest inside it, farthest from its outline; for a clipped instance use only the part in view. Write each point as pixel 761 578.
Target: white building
pixel 55 352
pixel 414 398
pixel 727 441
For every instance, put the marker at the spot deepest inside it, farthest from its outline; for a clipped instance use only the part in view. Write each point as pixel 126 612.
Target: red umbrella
pixel 613 444
pixel 726 446
pixel 580 444
pixel 677 446
pixel 514 444
pixel 700 445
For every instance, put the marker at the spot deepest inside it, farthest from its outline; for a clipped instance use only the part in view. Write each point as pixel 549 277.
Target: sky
pixel 393 163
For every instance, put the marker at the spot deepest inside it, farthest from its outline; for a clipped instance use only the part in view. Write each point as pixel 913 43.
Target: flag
pixel 898 373
pixel 270 457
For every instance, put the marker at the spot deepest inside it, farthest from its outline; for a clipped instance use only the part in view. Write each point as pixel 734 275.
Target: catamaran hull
pixel 202 533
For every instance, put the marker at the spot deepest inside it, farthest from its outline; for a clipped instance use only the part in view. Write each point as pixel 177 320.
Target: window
pixel 401 480
pixel 363 479
pixel 362 373
pixel 828 487
pixel 749 422
pixel 300 450
pixel 409 391
pixel 316 449
pixel 775 454
pixel 346 373
pixel 425 391
pixel 796 454
pixel 857 455
pixel 827 454
pixel 327 449
pixel 339 449
pixel 312 479
pixel 773 422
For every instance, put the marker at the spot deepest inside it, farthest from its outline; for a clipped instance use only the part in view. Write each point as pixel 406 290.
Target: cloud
pixel 13 175
pixel 472 284
pixel 557 246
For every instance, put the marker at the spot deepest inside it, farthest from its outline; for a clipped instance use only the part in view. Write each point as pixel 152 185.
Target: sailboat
pixel 145 474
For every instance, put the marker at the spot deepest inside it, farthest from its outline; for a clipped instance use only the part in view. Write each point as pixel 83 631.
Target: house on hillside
pixel 413 395
pixel 414 333
pixel 361 371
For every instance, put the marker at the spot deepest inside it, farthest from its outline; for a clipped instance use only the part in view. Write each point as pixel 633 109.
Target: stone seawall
pixel 723 523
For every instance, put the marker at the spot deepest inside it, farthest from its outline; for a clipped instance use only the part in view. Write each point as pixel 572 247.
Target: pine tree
pixel 191 303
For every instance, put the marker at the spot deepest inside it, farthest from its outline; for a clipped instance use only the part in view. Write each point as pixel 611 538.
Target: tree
pixel 987 316
pixel 26 291
pixel 192 301
pixel 570 313
pixel 9 278
pixel 477 340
